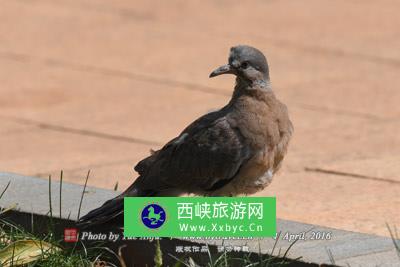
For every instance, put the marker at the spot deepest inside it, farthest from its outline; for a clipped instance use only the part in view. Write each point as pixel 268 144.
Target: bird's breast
pixel 257 124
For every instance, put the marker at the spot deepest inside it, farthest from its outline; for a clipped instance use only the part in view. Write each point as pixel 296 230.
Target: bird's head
pixel 247 63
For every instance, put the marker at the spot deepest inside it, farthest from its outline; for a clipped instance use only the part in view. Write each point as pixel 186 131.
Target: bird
pixel 233 151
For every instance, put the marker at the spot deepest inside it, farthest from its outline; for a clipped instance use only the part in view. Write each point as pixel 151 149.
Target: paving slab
pixel 32 196
pixel 338 201
pixel 157 110
pixel 374 259
pixel 14 128
pixel 82 153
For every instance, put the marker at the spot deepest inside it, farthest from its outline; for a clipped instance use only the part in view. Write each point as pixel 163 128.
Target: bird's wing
pixel 206 121
pixel 205 156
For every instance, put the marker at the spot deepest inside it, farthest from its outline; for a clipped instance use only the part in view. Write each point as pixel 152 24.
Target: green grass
pixel 59 255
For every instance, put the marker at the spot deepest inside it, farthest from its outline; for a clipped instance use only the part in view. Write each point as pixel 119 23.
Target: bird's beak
pixel 225 69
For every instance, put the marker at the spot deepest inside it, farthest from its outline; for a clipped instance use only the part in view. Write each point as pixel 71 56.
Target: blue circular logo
pixel 153 216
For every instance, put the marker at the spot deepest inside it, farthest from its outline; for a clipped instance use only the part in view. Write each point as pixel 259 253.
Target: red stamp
pixel 70 235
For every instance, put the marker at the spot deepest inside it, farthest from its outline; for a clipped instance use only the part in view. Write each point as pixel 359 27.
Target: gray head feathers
pixel 242 56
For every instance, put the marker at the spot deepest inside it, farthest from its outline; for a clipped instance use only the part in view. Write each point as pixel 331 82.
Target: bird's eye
pixel 244 65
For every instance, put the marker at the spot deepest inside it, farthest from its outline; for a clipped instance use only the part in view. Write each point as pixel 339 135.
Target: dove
pixel 235 150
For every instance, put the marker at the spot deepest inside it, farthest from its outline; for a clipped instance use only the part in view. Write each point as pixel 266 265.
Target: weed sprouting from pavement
pixel 83 193
pixel 395 238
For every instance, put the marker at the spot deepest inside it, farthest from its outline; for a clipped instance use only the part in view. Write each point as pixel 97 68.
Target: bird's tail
pixel 111 211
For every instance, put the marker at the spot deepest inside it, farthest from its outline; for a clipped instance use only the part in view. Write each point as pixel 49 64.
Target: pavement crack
pixel 344 112
pixel 85 132
pixel 87 167
pixel 353 175
pixel 52 62
pixel 15 56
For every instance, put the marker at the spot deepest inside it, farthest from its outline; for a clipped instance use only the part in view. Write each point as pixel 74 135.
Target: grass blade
pixel 83 192
pixel 61 183
pixel 51 207
pixel 5 189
